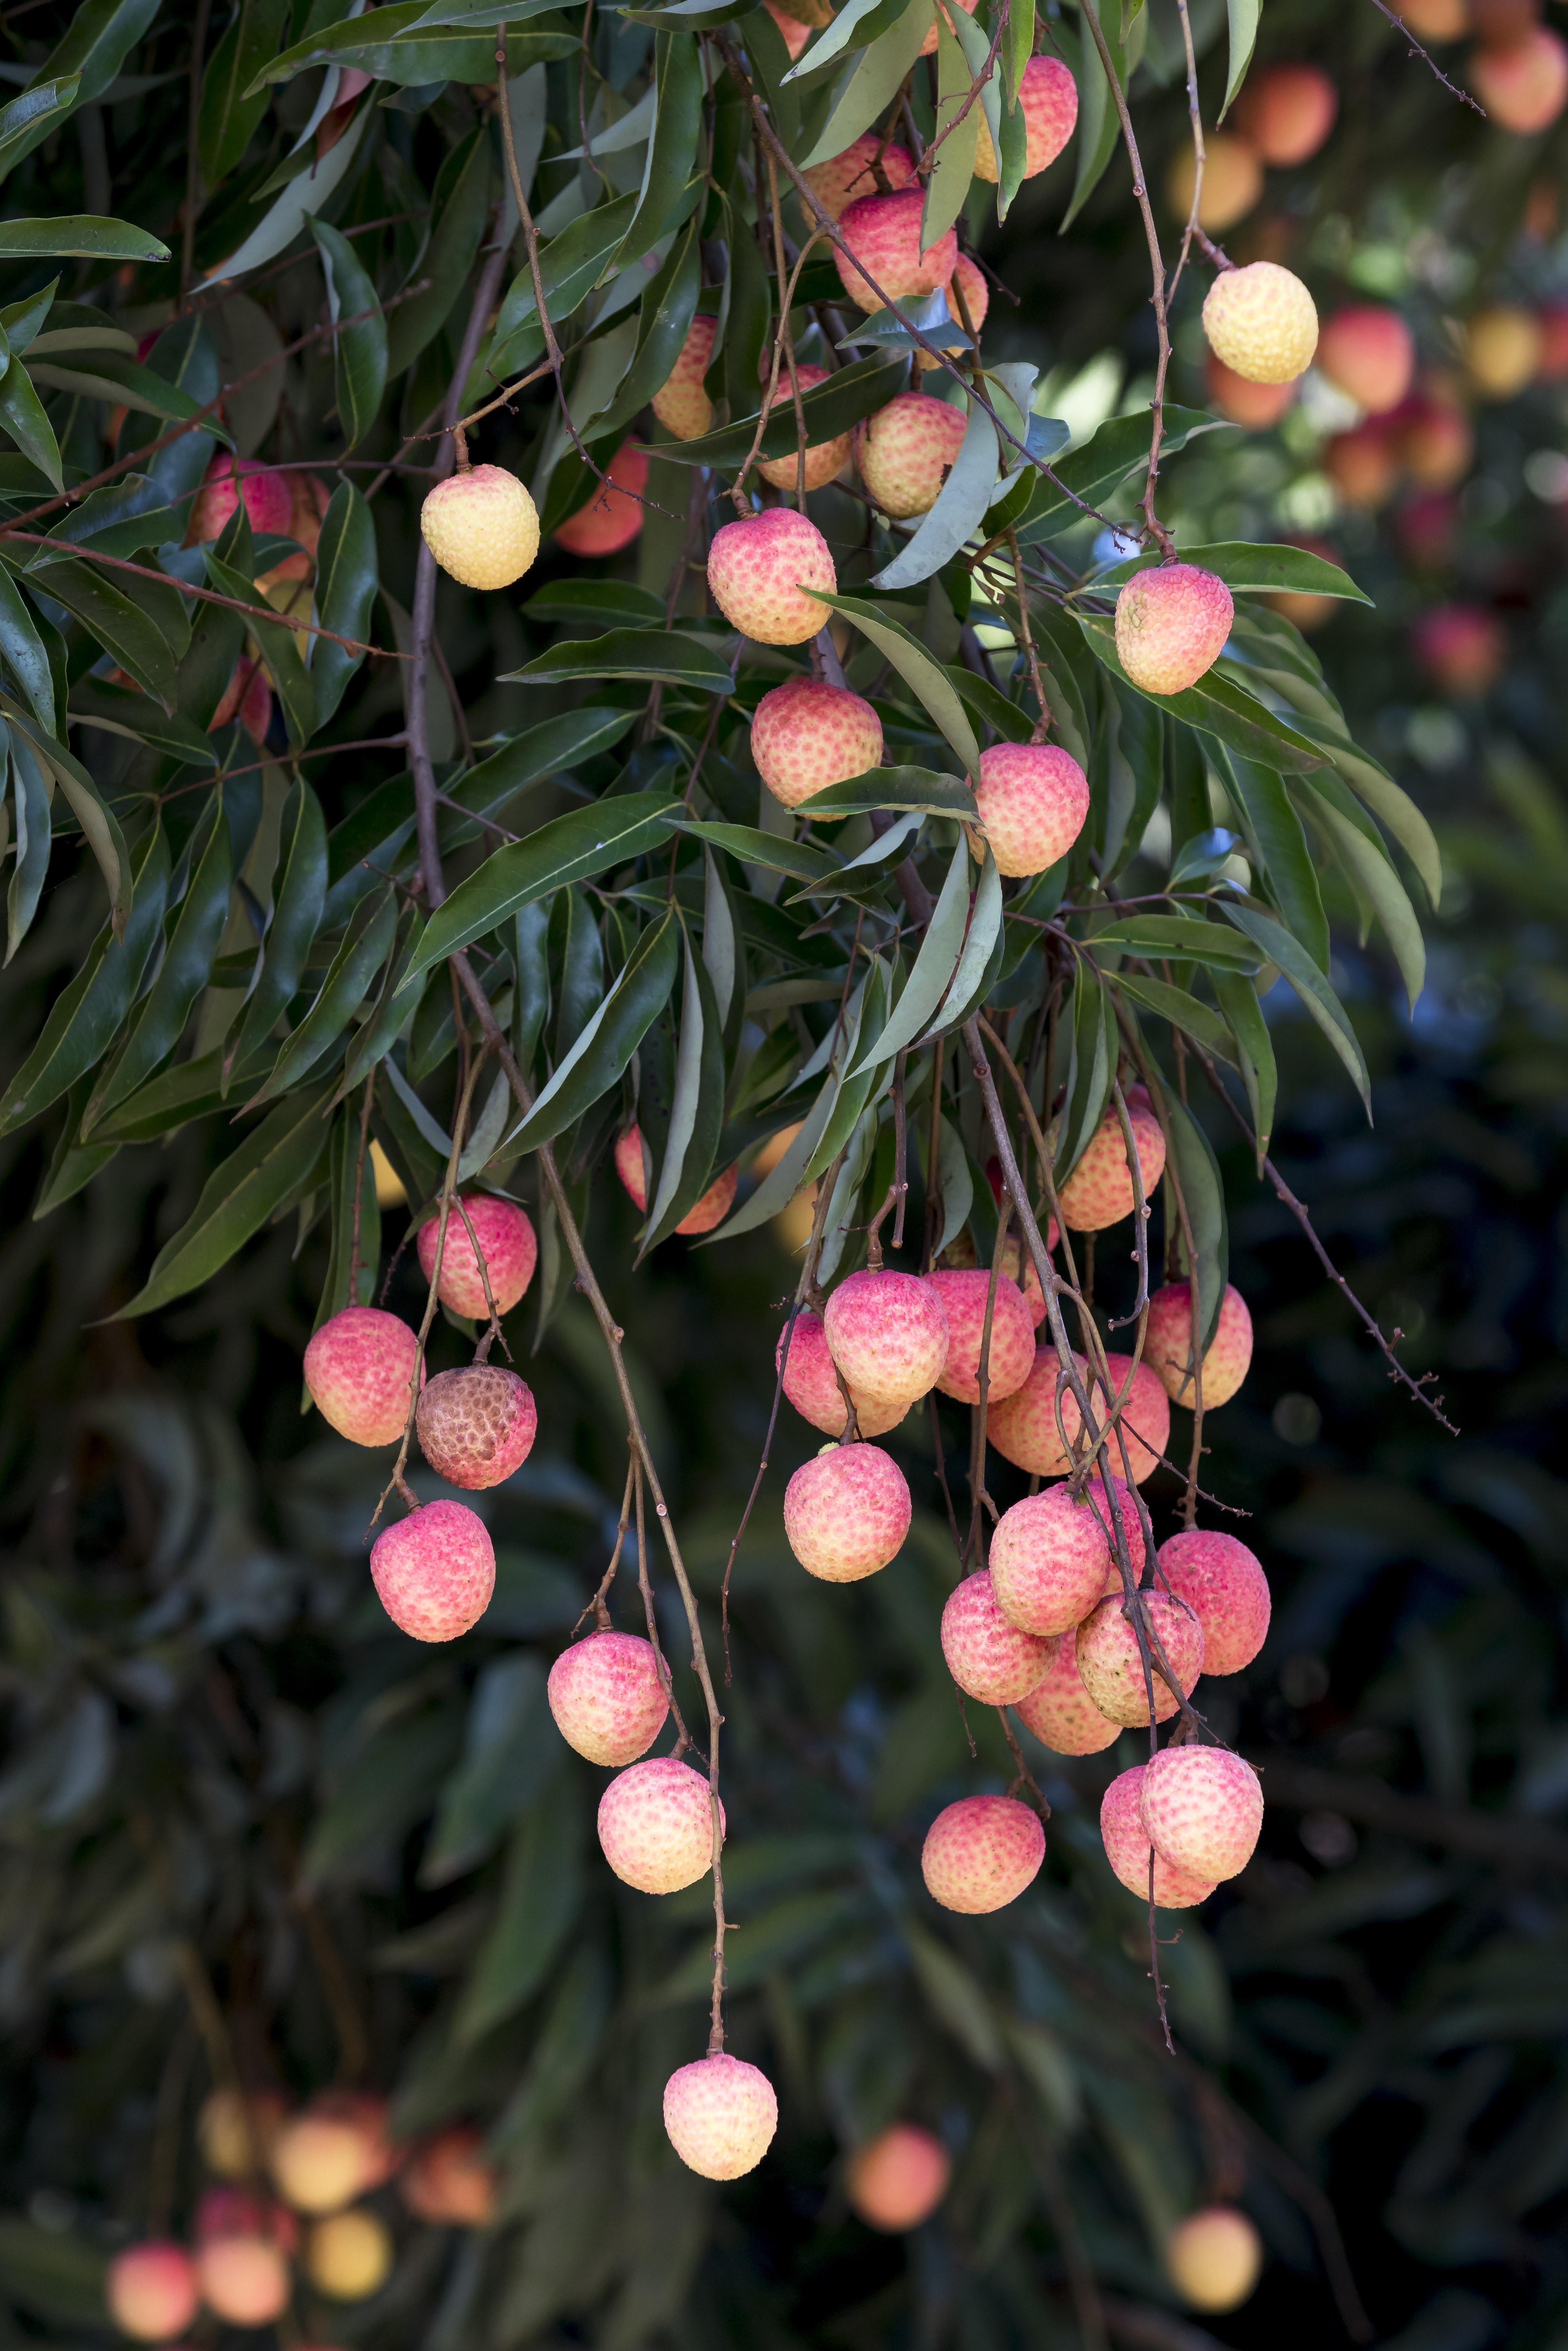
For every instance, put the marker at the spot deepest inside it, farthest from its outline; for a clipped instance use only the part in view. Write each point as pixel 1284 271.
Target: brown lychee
pixel 477 1425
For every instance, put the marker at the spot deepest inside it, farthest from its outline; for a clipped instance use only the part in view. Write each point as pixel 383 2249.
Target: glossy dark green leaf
pixel 71 1164
pixel 396 51
pixel 22 416
pixel 360 345
pixel 1279 947
pixel 1254 1055
pixel 1191 1164
pixel 829 408
pixel 932 971
pixel 354 1218
pixel 372 929
pixel 678 83
pixel 229 119
pixel 187 1091
pixel 80 237
pixel 457 208
pixel 570 265
pixel 385 1022
pixel 279 650
pixel 1094 1045
pixel 23 653
pixel 609 604
pixel 990 705
pixel 183 972
pixel 1086 476
pixel 696 1109
pixel 922 789
pixel 1278 842
pixel 35 109
pixel 1253 571
pixel 755 847
pixel 1217 705
pixel 926 679
pixel 117 710
pixel 30 801
pixel 1175 937
pixel 664 320
pixel 101 826
pixel 120 623
pixel 663 657
pixel 125 518
pixel 539 1899
pixel 1182 1009
pixel 296 916
pixel 539 755
pixel 607 1043
pixel 347 575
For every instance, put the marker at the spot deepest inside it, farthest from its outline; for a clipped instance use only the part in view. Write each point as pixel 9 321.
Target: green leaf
pixel 1238 999
pixel 101 828
pixel 801 859
pixel 458 204
pixel 279 648
pixel 609 1039
pixel 510 1749
pixel 22 416
pixel 78 236
pixel 921 788
pixel 540 753
pixel 1120 447
pixel 696 1106
pixel 106 375
pixel 1217 705
pixel 278 227
pixel 933 969
pixel 1387 800
pixel 1242 16
pixel 38 107
pixel 360 346
pixel 1310 985
pixel 351 1205
pixel 229 119
pixel 1183 1011
pixel 990 705
pixel 973 976
pixel 24 655
pixel 296 915
pixel 662 656
pixel 1190 1162
pixel 1098 127
pixel 1249 571
pixel 186 1090
pixel 1094 1047
pixel 959 508
pixel 185 971
pixel 829 408
pixel 396 52
pixel 1275 830
pixel 383 1025
pixel 671 157
pixel 365 948
pixel 1175 937
pixel 926 679
pixel 347 575
pixel 31 800
pixel 873 81
pixel 539 1901
pixel 120 625
pixel 124 519
pixel 1370 865
pixel 949 181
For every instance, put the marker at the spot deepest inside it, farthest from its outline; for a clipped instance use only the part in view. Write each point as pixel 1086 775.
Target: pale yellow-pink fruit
pixel 1172 622
pixel 989 1660
pixel 1286 112
pixel 1111 1667
pixel 960 1255
pixel 1033 799
pixel 359 1369
pixel 883 236
pixel 236 2131
pixel 1434 20
pixel 1255 406
pixel 1503 344
pixel 152 2290
pixel 928 46
pixel 1366 349
pixel 971 280
pixel 434 1570
pixel 322 2159
pixel 655 1825
pixel 1048 96
pixel 811 1384
pixel 506 1239
pixel 846 1512
pixel 1099 1192
pixel 606 1698
pixel 1010 1359
pixel 681 404
pixel 1215 2258
pixel 348 2256
pixel 761 571
pixel 710 1210
pixel 477 1425
pixel 1232 182
pixel 243 2280
pixel 1023 1426
pixel 1203 1807
pixel 898 2179
pixel 1058 1709
pixel 1167 1345
pixel 448 2180
pixel 981 1853
pixel 1049 1560
pixel 823 458
pixel 1522 84
pixel 807 734
pixel 1224 1583
pixel 482 526
pixel 721 2115
pixel 905 450
pixel 887 1333
pixel 1128 1849
pixel 1262 322
pixel 843 179
pixel 1436 440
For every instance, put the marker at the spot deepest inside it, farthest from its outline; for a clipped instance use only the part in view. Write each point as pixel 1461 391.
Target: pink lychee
pixel 1010 1359
pixel 807 734
pixel 505 1234
pixel 359 1369
pixel 1058 1709
pixel 1048 96
pixel 811 1384
pixel 981 1853
pixel 897 2180
pixel 152 2290
pixel 761 569
pixel 1099 1192
pixel 1131 1525
pixel 929 46
pixel 1463 648
pixel 1366 349
pixel 1172 622
pixel 823 458
pixel 721 2115
pixel 262 488
pixel 1364 463
pixel 655 1825
pixel 1223 1582
pixel 1023 1426
pixel 447 2178
pixel 989 1660
pixel 613 516
pixel 476 1425
pixel 883 235
pixel 606 1698
pixel 681 404
pixel 904 450
pixel 1032 799
pixel 796 34
pixel 846 1512
pixel 1254 406
pixel 1111 1668
pixel 247 697
pixel 1128 1849
pixel 710 1210
pixel 1523 83
pixel 1203 1807
pixel 1215 2257
pixel 434 1570
pixel 843 179
pixel 1167 1345
pixel 1049 1560
pixel 1287 113
pixel 887 1333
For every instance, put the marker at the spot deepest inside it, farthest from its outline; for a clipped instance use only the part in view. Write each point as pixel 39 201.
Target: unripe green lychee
pixel 1262 322
pixel 721 2115
pixel 1224 1583
pixel 1099 1192
pixel 989 1660
pixel 1128 1849
pixel 710 1210
pixel 681 404
pixel 981 1853
pixel 807 734
pixel 482 526
pixel 1215 2258
pixel 1058 1709
pixel 152 2290
pixel 1023 1426
pixel 360 1368
pixel 887 1333
pixel 846 1512
pixel 1366 349
pixel 1111 1667
pixel 904 451
pixel 761 569
pixel 883 236
pixel 1522 84
pixel 823 458
pixel 655 1825
pixel 964 1295
pixel 843 179
pixel 506 1235
pixel 1203 1807
pixel 897 2180
pixel 1032 799
pixel 1049 1560
pixel 434 1570
pixel 1048 96
pixel 448 2178
pixel 1286 112
pixel 1172 622
pixel 611 516
pixel 1167 1345
pixel 476 1425
pixel 811 1384
pixel 606 1698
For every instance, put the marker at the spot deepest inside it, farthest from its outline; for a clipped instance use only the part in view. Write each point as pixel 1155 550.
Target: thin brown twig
pixel 1399 25
pixel 926 165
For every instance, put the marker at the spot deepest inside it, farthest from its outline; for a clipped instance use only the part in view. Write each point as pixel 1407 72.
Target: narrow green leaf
pixel 1098 128
pixel 458 204
pixel 1242 16
pixel 1217 705
pixel 31 800
pixel 969 980
pixel 185 971
pixel 932 971
pixel 347 575
pixel 922 790
pixel 696 1106
pixel 609 1039
pixel 1310 985
pixel 540 1896
pixel 78 236
pixel 24 652
pixel 1238 999
pixel 364 950
pixel 1095 1044
pixel 1183 1011
pixel 229 119
pixel 926 679
pixel 22 416
pixel 1373 869
pixel 1089 474
pixel 873 81
pixel 360 345
pixel 1276 833
pixel 101 828
pixel 950 178
pixel 830 407
pixel 120 623
pixel 959 508
pixel 36 109
pixel 662 656
pixel 755 847
pixel 296 915
pixel 1177 937
pixel 1190 1162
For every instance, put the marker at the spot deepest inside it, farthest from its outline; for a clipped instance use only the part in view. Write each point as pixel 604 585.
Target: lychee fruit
pixel 1437 441
pixel 1462 648
pixel 823 458
pixel 898 2179
pixel 476 1425
pixel 1366 349
pixel 360 1368
pixel 887 1333
pixel 243 2280
pixel 1554 317
pixel 447 2178
pixel 1128 1849
pixel 348 2256
pixel 606 1698
pixel 1023 1426
pixel 228 479
pixel 1058 1709
pixel 234 2212
pixel 811 1384
pixel 236 2130
pixel 1167 1345
pixel 929 46
pixel 1048 96
pixel 1502 350
pixel 1049 1560
pixel 883 234
pixel 1262 322
pixel 710 1210
pixel 991 1660
pixel 721 2115
pixel 681 404
pixel 905 450
pixel 1222 1581
pixel 1286 112
pixel 843 179
pixel 1010 1359
pixel 505 1234
pixel 1254 406
pixel 1099 1192
pixel 1131 1525
pixel 1232 183
pixel 1364 463
pixel 846 1512
pixel 613 516
pixel 434 1570
pixel 1111 1671
pixel 1172 622
pixel 482 526
pixel 1215 2257
pixel 1434 20
pixel 322 2159
pixel 152 2290
pixel 981 1853
pixel 655 1825
pixel 1017 1264
pixel 1522 84
pixel 971 280
pixel 1203 1807
pixel 1033 799
pixel 761 569
pixel 807 734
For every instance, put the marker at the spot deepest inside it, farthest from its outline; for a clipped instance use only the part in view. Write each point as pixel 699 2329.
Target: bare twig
pixel 1418 51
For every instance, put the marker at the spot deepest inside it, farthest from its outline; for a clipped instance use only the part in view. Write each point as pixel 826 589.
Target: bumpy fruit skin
pixel 1023 1428
pixel 360 1368
pixel 1048 96
pixel 981 1853
pixel 151 2292
pixel 888 1334
pixel 721 2115
pixel 811 1384
pixel 1032 799
pixel 266 498
pixel 505 1233
pixel 447 2178
pixel 1232 183
pixel 1111 1671
pixel 348 2256
pixel 1011 1357
pixel 1050 1562
pixel 1171 626
pixel 1167 1345
pixel 1262 322
pixel 605 1694
pixel 976 300
pixel 904 451
pixel 1366 349
pixel 1224 1583
pixel 883 235
pixel 655 1825
pixel 1254 406
pixel 1099 1192
pixel 1127 1849
pixel 843 179
pixel 846 1512
pixel 989 1660
pixel 1060 1711
pixel 1523 84
pixel 823 458
pixel 1215 2258
pixel 613 514
pixel 1287 111
pixel 482 526
pixel 434 1570
pixel 709 1211
pixel 807 734
pixel 761 569
pixel 898 2180
pixel 476 1425
pixel 681 404
pixel 1203 1807
pixel 243 2280
pixel 1463 649
pixel 1502 350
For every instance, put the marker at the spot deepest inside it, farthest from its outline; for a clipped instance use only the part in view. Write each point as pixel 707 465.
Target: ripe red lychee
pixel 350 2256
pixel 359 1369
pixel 1366 349
pixel 1262 322
pixel 1023 1428
pixel 236 2130
pixel 1049 1560
pixel 843 179
pixel 1223 1583
pixel 1522 84
pixel 883 234
pixel 1111 1668
pixel 904 451
pixel 1287 113
pixel 681 404
pixel 1128 1849
pixel 1215 2258
pixel 1502 350
pixel 1232 182
pixel 1172 622
pixel 482 526
pixel 1099 1192
pixel 898 2180
pixel 929 46
pixel 613 516
pixel 981 1853
pixel 506 1235
pixel 989 1660
pixel 823 458
pixel 1437 441
pixel 846 1512
pixel 606 1698
pixel 710 1210
pixel 1048 96
pixel 887 1333
pixel 1058 1709
pixel 1554 319
pixel 1364 463
pixel 152 2290
pixel 1203 1807
pixel 447 2178
pixel 807 734
pixel 1254 406
pixel 1032 799
pixel 811 1384
pixel 264 491
pixel 1017 1264
pixel 434 1570
pixel 761 569
pixel 1167 1345
pixel 247 697
pixel 721 2115
pixel 1462 648
pixel 1011 1356
pixel 655 1825
pixel 476 1425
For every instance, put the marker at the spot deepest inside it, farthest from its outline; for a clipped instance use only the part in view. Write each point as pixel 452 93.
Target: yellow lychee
pixel 1262 322
pixel 482 526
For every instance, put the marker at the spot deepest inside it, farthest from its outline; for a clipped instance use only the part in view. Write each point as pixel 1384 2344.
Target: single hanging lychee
pixel 761 571
pixel 906 451
pixel 1172 624
pixel 606 1698
pixel 1224 1583
pixel 505 1233
pixel 1099 1192
pixel 847 1513
pixel 981 1853
pixel 359 1369
pixel 897 2180
pixel 476 1425
pixel 1167 1345
pixel 1262 322
pixel 655 1825
pixel 1128 1849
pixel 811 1384
pixel 1048 96
pixel 482 526
pixel 434 1570
pixel 721 2115
pixel 807 734
pixel 1033 799
pixel 883 234
pixel 964 1293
